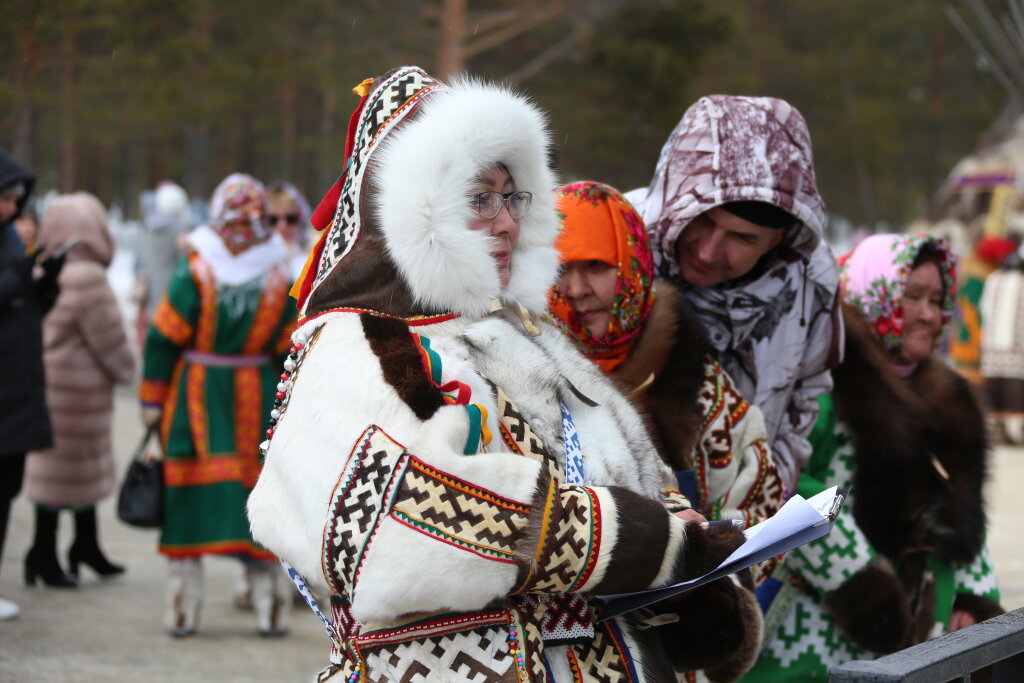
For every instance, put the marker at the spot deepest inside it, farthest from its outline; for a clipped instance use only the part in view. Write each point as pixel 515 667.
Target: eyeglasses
pixel 488 204
pixel 290 219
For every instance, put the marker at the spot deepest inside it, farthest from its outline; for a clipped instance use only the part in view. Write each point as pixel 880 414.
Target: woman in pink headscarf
pixel 907 557
pixel 210 376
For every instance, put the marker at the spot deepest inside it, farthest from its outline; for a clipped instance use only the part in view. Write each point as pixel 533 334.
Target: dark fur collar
pixel 901 428
pixel 664 374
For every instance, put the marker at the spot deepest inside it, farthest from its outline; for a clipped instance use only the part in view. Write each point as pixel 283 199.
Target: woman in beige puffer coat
pixel 85 352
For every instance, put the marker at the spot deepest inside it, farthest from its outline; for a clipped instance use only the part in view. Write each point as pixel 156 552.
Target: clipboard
pixel 800 521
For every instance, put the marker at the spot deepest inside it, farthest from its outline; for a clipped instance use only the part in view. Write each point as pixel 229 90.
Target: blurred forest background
pixel 112 96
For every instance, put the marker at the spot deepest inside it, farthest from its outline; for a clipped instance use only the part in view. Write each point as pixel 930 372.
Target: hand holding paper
pixel 799 521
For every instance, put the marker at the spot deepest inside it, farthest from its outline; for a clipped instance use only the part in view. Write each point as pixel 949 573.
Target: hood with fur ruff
pixel 406 249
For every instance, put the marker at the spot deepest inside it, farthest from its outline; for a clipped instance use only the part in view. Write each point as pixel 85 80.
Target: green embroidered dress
pixel 212 362
pixel 802 641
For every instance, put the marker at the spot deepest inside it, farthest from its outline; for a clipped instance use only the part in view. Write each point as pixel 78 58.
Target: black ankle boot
pixel 86 548
pixel 42 560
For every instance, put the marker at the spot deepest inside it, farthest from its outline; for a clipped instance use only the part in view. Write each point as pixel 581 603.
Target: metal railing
pixel 997 643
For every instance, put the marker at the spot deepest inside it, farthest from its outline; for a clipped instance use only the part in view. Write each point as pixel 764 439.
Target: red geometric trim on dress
pixel 268 312
pixel 412 321
pixel 172 324
pixel 195 402
pixel 171 404
pixel 152 392
pixel 210 471
pixel 217 548
pixel 248 414
pixel 202 275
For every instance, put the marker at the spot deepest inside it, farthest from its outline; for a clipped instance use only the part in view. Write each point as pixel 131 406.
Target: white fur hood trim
pixel 426 173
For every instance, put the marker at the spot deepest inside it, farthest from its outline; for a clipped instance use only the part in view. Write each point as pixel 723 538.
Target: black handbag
pixel 141 499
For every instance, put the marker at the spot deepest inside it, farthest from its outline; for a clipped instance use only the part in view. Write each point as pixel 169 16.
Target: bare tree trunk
pixel 197 157
pixel 197 133
pixel 327 159
pixel 452 27
pixel 757 44
pixel 936 75
pixel 23 144
pixel 66 178
pixel 102 174
pixel 289 126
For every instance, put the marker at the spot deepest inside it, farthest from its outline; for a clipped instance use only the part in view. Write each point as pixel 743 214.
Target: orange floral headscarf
pixel 600 225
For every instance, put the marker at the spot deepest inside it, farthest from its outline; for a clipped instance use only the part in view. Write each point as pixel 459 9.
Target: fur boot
pixel 184 596
pixel 270 598
pixel 242 598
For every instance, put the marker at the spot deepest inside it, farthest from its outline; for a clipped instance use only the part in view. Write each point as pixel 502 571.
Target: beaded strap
pixel 307 595
pixel 573 451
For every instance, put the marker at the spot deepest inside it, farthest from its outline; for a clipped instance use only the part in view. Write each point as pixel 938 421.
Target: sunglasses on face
pixel 290 219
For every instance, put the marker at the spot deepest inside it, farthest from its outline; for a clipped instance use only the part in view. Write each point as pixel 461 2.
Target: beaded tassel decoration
pixel 517 651
pixel 291 364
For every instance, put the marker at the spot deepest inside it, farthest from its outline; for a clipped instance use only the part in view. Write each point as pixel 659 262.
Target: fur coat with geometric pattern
pixel 433 508
pixel 421 473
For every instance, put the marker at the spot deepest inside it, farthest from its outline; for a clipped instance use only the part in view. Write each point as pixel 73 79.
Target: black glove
pixel 46 287
pixel 52 265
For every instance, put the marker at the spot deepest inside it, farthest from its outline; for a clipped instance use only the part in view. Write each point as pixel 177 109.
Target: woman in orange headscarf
pixel 643 335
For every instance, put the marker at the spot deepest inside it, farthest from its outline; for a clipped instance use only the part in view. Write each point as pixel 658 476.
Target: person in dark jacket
pixel 24 299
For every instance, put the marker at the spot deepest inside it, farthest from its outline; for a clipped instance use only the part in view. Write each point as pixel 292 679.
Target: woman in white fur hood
pixel 442 465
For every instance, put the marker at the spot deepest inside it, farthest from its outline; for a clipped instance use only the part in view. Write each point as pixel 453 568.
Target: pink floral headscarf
pixel 874 275
pixel 238 211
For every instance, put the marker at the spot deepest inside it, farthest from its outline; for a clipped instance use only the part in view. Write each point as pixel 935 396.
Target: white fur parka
pixel 416 474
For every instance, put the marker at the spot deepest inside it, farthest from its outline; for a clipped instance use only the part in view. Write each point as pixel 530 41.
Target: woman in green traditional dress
pixel 210 375
pixel 906 560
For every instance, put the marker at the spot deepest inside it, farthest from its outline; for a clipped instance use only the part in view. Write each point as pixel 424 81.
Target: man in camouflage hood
pixel 736 221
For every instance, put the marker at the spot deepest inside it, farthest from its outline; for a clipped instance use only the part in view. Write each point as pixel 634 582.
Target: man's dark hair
pixel 764 214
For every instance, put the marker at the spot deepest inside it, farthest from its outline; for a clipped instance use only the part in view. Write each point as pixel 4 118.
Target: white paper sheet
pixel 799 521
